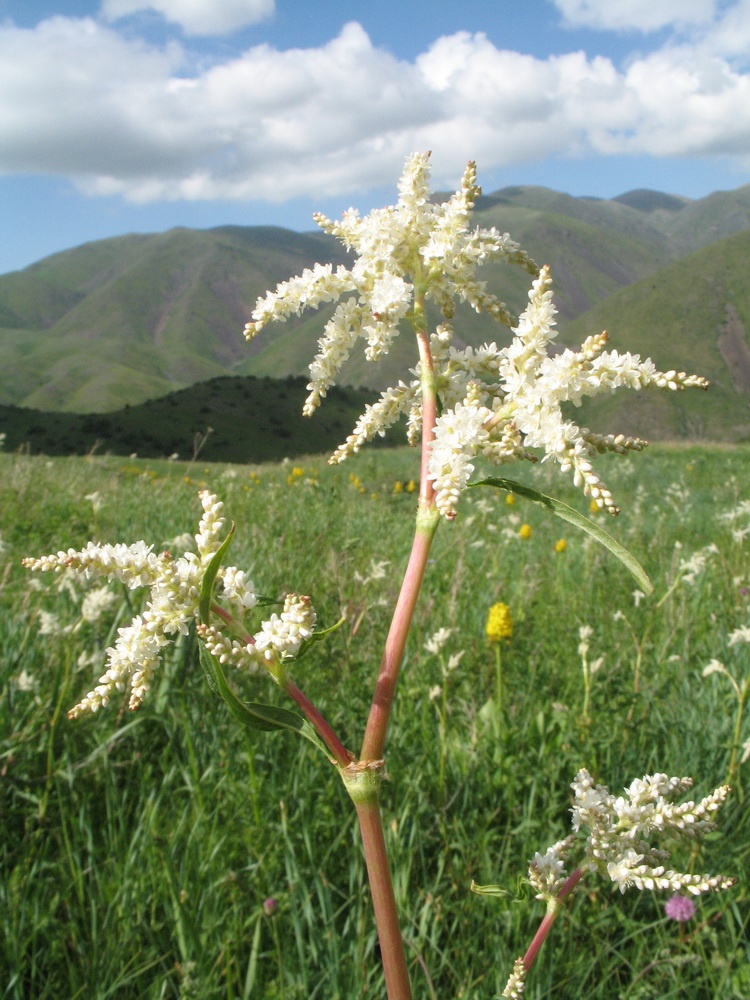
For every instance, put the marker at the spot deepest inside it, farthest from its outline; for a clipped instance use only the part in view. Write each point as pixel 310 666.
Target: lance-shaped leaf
pixel 253 714
pixel 209 577
pixel 316 637
pixel 522 890
pixel 567 513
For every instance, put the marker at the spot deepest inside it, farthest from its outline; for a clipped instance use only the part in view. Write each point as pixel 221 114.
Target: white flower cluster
pixel 416 248
pixel 175 586
pixel 512 402
pixel 547 872
pixel 619 828
pixel 516 982
pixel 689 569
pixel 279 638
pixel 495 402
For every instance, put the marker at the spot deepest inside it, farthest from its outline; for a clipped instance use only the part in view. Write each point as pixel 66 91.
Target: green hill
pixel 250 420
pixel 124 320
pixel 694 313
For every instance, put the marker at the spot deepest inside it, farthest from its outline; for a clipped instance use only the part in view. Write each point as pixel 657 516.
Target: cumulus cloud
pixel 635 15
pixel 122 117
pixel 196 17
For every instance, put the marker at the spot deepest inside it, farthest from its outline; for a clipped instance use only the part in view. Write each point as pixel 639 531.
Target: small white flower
pixel 516 984
pixel 453 661
pixel 596 665
pixel 282 635
pixel 26 681
pixel 97 500
pixel 436 641
pixel 741 634
pixel 50 624
pixel 96 603
pixel 714 667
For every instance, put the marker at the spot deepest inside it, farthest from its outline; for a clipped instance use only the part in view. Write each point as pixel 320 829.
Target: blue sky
pixel 138 115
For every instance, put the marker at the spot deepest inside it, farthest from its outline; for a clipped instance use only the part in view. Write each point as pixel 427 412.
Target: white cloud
pixel 196 17
pixel 121 117
pixel 635 15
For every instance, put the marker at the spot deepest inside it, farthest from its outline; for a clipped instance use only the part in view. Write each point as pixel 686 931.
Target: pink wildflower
pixel 680 908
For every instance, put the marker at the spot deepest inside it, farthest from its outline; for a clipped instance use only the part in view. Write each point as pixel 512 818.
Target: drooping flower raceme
pixel 495 402
pixel 619 831
pixel 175 587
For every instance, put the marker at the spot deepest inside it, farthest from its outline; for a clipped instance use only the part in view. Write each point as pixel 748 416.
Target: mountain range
pixel 124 320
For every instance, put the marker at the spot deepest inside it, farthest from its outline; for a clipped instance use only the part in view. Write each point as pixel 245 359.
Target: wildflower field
pixel 170 853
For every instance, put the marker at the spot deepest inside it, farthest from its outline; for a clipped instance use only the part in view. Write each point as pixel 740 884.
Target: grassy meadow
pixel 138 848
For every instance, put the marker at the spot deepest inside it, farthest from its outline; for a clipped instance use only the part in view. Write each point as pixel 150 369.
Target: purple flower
pixel 680 908
pixel 270 906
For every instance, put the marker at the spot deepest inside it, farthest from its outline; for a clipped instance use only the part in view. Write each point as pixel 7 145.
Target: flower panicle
pixel 514 988
pixel 620 827
pixel 174 600
pixel 418 251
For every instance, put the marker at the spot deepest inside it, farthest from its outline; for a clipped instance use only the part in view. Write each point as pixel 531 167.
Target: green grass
pixel 138 849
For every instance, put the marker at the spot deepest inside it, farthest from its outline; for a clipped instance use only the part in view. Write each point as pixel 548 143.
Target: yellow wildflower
pixel 398 486
pixel 411 486
pixel 499 622
pixel 560 545
pixel 525 531
pixel 510 498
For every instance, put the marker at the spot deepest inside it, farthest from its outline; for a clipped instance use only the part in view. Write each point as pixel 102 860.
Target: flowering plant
pixel 503 404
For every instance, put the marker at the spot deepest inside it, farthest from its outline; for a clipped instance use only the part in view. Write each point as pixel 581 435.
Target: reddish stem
pixel 383 901
pixel 550 917
pixel 329 737
pixel 325 731
pixel 373 743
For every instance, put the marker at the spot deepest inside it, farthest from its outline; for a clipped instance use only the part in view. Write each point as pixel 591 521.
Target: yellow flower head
pixel 510 498
pixel 525 531
pixel 499 622
pixel 560 545
pixel 398 486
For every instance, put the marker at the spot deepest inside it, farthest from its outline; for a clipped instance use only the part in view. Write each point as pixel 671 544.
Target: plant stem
pixel 550 917
pixel 329 737
pixel 498 681
pixel 385 686
pixel 428 518
pixel 341 755
pixel 742 693
pixel 383 900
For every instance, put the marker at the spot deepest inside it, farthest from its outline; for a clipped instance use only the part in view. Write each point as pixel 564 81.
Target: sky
pixel 138 115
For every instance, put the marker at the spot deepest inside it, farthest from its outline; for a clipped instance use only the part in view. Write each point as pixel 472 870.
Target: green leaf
pixel 567 513
pixel 266 602
pixel 207 584
pixel 252 714
pixel 521 893
pixel 207 663
pixel 316 637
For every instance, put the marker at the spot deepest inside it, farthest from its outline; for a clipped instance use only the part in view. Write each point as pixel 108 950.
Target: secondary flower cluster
pixel 618 835
pixel 174 598
pixel 497 402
